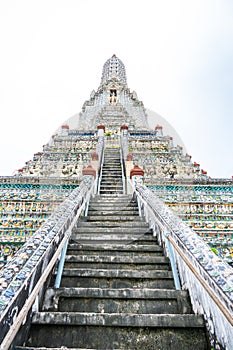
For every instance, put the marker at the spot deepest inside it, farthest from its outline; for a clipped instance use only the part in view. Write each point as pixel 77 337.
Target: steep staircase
pixel 117 289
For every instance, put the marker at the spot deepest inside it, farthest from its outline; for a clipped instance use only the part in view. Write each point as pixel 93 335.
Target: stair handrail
pixel 123 170
pixel 27 283
pixel 207 277
pixel 100 169
pixel 100 150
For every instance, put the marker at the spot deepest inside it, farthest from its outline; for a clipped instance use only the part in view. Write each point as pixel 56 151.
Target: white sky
pixel 178 57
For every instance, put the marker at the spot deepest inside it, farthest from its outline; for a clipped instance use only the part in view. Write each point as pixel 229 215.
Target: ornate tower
pixel 113 104
pixel 114 69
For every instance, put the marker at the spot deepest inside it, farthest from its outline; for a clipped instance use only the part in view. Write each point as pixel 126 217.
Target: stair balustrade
pixel 26 273
pixel 207 277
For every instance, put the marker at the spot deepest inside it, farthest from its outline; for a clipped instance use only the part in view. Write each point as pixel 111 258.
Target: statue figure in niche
pixel 113 96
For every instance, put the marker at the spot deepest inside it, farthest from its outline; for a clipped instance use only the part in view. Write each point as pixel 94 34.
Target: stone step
pixel 111 204
pixel 119 259
pixel 107 178
pixel 112 153
pixel 114 240
pixel 106 173
pixel 117 262
pixel 112 165
pixel 121 320
pixel 110 191
pixel 111 186
pixel 111 224
pixel 118 203
pixel 124 250
pixel 112 216
pixel 117 238
pixel 114 179
pixel 111 177
pixel 100 238
pixel 111 157
pixel 111 230
pixel 123 197
pixel 116 161
pixel 97 281
pixel 111 331
pixel 113 182
pixel 140 301
pixel 100 265
pixel 110 208
pixel 111 170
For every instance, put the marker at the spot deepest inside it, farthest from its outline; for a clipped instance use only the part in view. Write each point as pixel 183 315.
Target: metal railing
pixel 123 171
pixel 100 151
pixel 100 173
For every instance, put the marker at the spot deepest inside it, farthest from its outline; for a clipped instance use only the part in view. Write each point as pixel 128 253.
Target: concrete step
pixel 111 224
pixel 113 199
pixel 117 230
pixel 72 264
pixel 117 262
pixel 118 213
pixel 112 216
pixel 106 278
pixel 111 186
pixel 111 179
pixel 102 237
pixel 106 172
pixel 121 320
pixel 111 206
pixel 103 192
pixel 112 166
pixel 115 161
pixel 122 249
pixel 109 210
pixel 108 204
pixel 139 301
pixel 117 198
pixel 104 266
pixel 113 182
pixel 118 259
pixel 117 239
pixel 114 177
pixel 119 204
pixel 112 273
pixel 111 331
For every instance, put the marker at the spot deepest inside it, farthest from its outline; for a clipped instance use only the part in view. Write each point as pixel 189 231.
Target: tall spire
pixel 114 69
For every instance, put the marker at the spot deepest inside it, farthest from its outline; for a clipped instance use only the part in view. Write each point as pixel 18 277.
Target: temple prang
pixel 124 227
